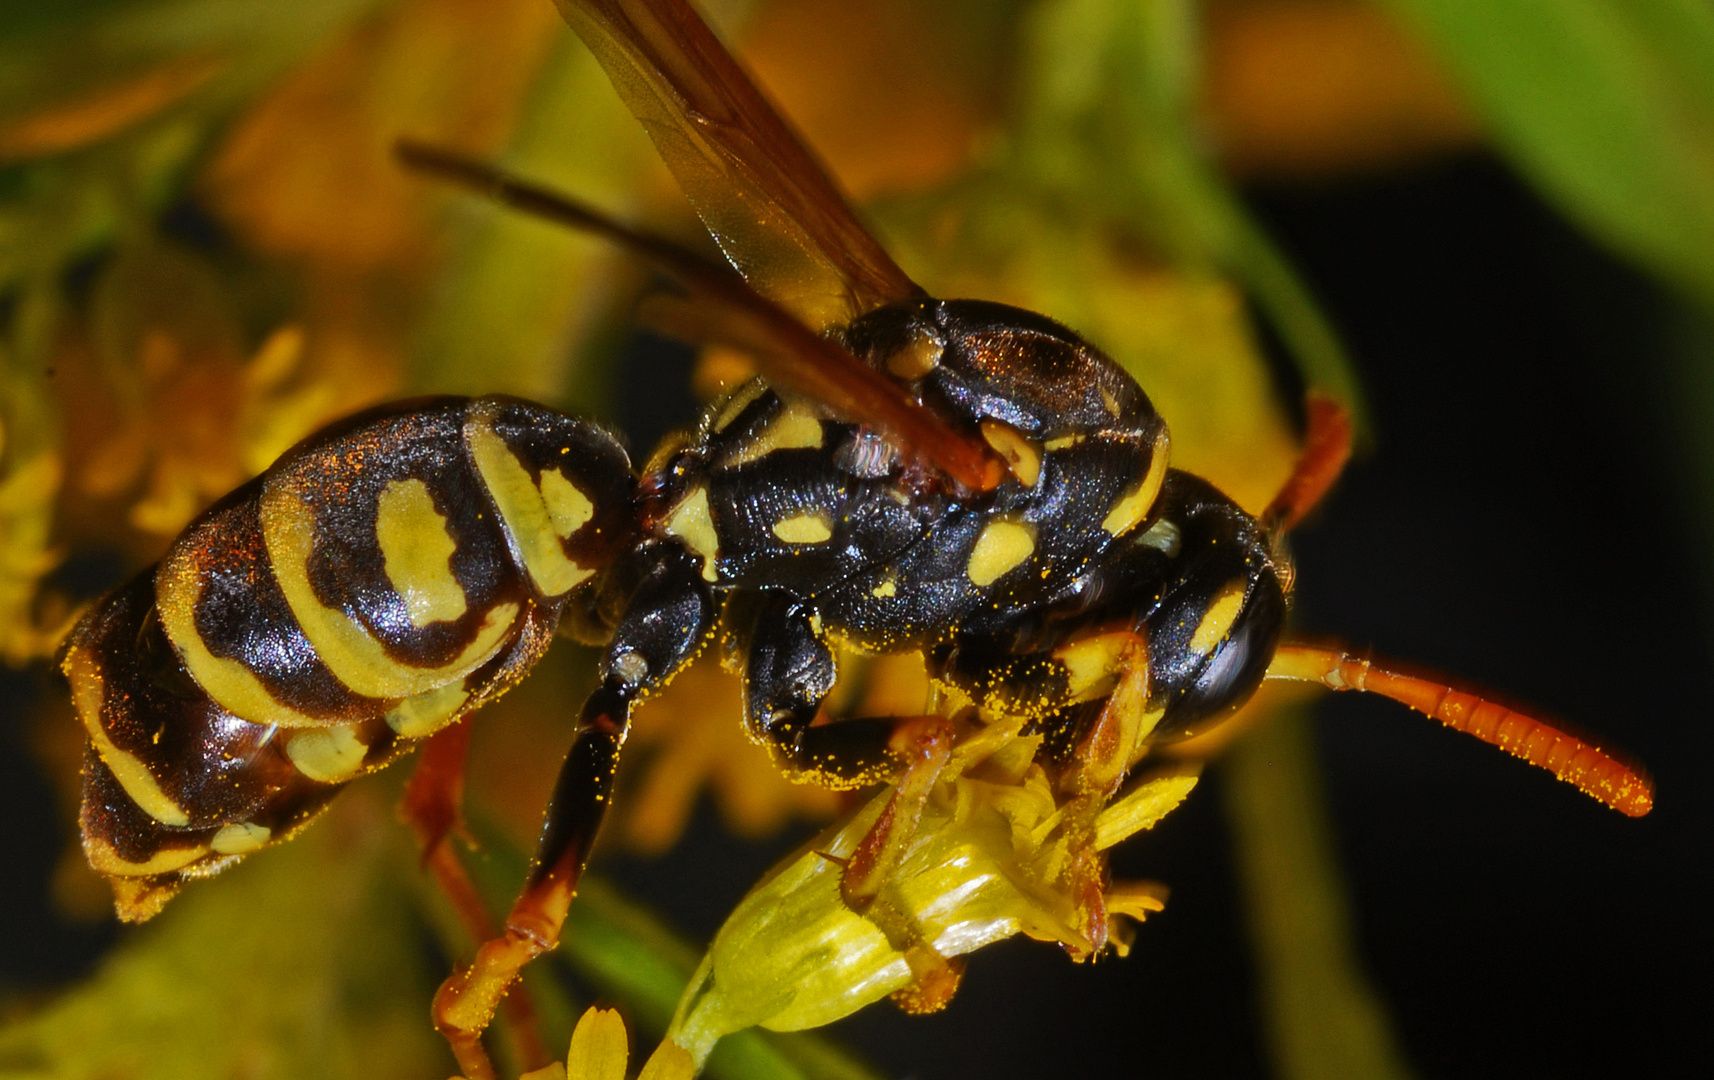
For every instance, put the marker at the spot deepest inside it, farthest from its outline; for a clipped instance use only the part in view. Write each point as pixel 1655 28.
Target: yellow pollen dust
pixel 803 529
pixel 1092 664
pixel 1217 620
pixel 416 550
pixel 1002 545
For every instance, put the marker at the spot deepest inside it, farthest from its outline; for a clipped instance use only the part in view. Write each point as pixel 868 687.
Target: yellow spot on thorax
pixel 795 428
pixel 330 755
pixel 416 552
pixel 532 516
pixel 1217 620
pixel 693 522
pixel 803 529
pixel 1022 455
pixel 87 692
pixel 1002 545
pixel 917 358
pixel 1134 505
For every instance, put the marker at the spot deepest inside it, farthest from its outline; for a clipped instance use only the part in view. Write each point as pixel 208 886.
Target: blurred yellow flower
pixel 600 1051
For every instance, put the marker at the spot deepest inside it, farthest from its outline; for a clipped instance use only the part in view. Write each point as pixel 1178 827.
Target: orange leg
pixel 467 1000
pixel 1594 772
pixel 1096 771
pixel 924 744
pixel 431 805
pixel 1326 448
pixel 435 792
pixel 668 616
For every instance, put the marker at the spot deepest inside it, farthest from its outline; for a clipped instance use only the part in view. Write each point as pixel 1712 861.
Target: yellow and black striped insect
pixel 957 478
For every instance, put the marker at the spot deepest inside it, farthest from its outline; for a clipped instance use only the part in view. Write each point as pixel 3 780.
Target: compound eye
pixel 1235 668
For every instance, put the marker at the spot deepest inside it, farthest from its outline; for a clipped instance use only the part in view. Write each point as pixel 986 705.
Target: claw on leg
pixel 465 1003
pixel 924 744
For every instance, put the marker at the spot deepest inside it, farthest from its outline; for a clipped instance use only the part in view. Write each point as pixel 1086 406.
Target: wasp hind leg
pixel 788 672
pixel 667 618
pixel 431 806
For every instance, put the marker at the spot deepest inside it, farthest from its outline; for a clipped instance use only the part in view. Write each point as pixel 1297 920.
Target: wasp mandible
pixel 957 478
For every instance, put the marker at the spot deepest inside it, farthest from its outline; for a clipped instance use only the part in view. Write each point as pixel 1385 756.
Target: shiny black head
pixel 1212 604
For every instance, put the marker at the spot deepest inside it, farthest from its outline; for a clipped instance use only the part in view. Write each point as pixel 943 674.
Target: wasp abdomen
pixel 378 582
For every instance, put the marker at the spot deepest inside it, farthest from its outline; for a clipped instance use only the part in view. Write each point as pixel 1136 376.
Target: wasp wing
pixel 788 353
pixel 770 204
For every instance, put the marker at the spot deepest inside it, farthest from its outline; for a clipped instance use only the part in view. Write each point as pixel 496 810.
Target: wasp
pixel 955 478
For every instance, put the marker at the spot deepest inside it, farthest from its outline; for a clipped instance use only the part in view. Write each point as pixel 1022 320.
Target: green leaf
pixel 1607 106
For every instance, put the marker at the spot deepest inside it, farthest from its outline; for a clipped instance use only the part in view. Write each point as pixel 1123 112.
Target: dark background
pixel 1528 520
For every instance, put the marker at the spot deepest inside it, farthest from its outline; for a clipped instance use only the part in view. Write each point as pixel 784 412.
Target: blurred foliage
pixel 285 971
pixel 206 252
pixel 1607 106
pixel 1323 1016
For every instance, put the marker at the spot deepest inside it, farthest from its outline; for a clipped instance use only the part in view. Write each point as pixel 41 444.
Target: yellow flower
pixel 600 1051
pixel 993 856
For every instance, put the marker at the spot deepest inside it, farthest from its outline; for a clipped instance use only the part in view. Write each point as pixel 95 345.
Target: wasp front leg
pixel 667 618
pixel 788 670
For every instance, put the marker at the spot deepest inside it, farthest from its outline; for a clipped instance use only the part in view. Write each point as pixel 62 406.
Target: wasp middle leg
pixel 789 669
pixel 667 618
